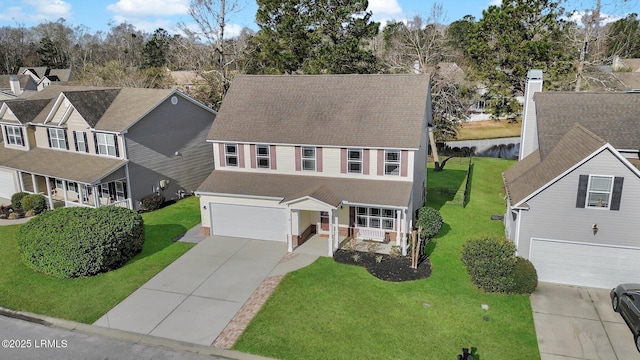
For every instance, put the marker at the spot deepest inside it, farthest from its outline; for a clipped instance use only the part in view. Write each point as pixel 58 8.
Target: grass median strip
pixel 86 299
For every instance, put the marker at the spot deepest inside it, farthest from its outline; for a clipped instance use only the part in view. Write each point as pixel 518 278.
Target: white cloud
pixel 576 17
pixel 143 8
pixel 51 10
pixel 12 14
pixel 495 3
pixel 384 8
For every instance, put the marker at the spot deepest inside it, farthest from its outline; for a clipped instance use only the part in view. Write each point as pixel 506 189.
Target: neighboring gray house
pixel 571 200
pixel 334 155
pixel 85 146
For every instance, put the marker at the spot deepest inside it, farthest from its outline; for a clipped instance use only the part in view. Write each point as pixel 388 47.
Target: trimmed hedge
pixel 490 263
pixel 430 220
pixel 525 277
pixel 152 202
pixel 79 241
pixel 35 202
pixel 16 199
pixel 493 266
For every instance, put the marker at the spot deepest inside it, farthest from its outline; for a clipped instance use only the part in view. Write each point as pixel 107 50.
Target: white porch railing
pixel 126 203
pixel 371 234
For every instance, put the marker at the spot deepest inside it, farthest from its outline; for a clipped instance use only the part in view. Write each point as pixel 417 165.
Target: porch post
pixel 404 241
pixel 49 192
pixel 331 234
pixel 398 226
pixel 65 189
pixel 21 180
pixel 82 188
pixel 336 239
pixel 96 196
pixel 33 183
pixel 289 230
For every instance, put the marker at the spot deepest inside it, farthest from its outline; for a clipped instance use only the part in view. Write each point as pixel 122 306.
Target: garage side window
pixel 13 135
pixel 600 192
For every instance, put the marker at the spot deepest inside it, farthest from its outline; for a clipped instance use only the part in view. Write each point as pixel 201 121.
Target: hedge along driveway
pixel 86 299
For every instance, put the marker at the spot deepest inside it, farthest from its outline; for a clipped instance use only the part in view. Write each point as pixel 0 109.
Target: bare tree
pixel 211 16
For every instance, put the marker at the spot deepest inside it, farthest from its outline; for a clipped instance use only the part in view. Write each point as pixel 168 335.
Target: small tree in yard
pixel 429 221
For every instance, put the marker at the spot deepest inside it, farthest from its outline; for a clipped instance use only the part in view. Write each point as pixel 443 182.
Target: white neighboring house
pixel 571 199
pixel 337 155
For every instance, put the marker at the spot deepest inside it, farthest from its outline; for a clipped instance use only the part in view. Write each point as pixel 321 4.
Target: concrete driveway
pixel 197 296
pixel 578 323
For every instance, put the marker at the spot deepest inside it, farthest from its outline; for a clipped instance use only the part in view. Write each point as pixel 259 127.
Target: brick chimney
pixel 529 132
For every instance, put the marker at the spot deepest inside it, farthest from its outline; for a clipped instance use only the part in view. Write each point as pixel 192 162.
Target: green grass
pixel 489 129
pixel 334 311
pixel 86 299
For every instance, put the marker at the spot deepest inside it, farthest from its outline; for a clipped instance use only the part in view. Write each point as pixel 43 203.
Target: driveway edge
pixel 128 336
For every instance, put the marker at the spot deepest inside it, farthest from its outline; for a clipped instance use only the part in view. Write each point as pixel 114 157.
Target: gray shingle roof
pixel 290 187
pixel 615 117
pixel 26 111
pixel 61 164
pixel 530 174
pixel 355 110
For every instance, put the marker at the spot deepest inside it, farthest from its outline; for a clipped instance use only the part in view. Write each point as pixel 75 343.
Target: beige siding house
pixel 85 146
pixel 336 155
pixel 571 199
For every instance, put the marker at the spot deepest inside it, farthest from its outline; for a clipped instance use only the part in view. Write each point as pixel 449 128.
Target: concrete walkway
pixel 577 323
pixel 205 291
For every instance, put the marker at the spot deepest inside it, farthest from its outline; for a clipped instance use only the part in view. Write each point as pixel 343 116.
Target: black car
pixel 625 299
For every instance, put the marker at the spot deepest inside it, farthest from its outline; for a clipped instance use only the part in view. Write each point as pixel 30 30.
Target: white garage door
pixel 7 184
pixel 582 264
pixel 251 222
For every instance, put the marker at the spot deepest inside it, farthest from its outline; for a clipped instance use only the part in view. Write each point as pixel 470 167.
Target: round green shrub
pixel 79 241
pixel 430 220
pixel 490 263
pixel 35 202
pixel 525 277
pixel 16 199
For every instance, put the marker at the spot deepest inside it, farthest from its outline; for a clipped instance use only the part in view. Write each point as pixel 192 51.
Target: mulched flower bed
pixel 394 269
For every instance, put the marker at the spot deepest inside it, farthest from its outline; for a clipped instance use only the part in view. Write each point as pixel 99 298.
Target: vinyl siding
pixel 418 172
pixel 153 141
pixel 553 213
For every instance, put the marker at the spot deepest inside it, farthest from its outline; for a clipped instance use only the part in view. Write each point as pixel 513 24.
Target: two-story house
pixel 571 199
pixel 86 146
pixel 339 155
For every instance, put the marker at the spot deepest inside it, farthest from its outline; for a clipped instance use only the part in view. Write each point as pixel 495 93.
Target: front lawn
pixel 86 299
pixel 334 311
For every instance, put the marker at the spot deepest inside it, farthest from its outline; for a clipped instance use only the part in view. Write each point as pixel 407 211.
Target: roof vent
pixel 634 91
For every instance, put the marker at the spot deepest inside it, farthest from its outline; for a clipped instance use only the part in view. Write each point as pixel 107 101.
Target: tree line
pixel 493 53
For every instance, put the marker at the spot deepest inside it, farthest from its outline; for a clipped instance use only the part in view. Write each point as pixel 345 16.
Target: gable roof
pixel 613 116
pixel 107 109
pixel 533 172
pixel 339 110
pixel 26 111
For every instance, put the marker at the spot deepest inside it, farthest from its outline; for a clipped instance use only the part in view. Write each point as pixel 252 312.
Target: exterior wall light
pixel 595 229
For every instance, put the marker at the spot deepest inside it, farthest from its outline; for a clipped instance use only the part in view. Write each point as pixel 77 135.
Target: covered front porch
pixel 316 245
pixel 322 217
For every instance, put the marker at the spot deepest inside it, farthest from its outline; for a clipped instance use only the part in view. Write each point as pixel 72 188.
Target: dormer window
pixel 58 139
pixel 13 134
pixel 262 156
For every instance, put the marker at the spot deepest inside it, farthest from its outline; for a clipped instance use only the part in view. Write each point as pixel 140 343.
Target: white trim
pixel 517 232
pixel 344 202
pixel 578 243
pixel 243 196
pixel 308 197
pixel 606 146
pixel 373 147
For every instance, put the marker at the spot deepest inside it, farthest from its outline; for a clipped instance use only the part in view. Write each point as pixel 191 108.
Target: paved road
pixel 35 341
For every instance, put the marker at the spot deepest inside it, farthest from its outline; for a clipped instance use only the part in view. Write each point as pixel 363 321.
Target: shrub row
pixel 78 241
pixel 152 202
pixel 493 266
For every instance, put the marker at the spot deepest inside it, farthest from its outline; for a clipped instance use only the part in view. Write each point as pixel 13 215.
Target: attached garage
pixel 585 264
pixel 7 184
pixel 252 222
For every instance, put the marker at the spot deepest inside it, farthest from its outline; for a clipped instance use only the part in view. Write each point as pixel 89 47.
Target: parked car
pixel 625 299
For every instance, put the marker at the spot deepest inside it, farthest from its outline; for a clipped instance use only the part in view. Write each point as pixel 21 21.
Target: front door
pixel 324 220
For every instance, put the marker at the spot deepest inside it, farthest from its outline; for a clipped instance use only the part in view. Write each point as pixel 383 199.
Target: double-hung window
pixel 106 144
pixel 262 156
pixel 231 154
pixel 58 138
pixel 392 162
pixel 309 158
pixel 599 191
pixel 80 138
pixel 14 135
pixel 354 161
pixel 377 218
